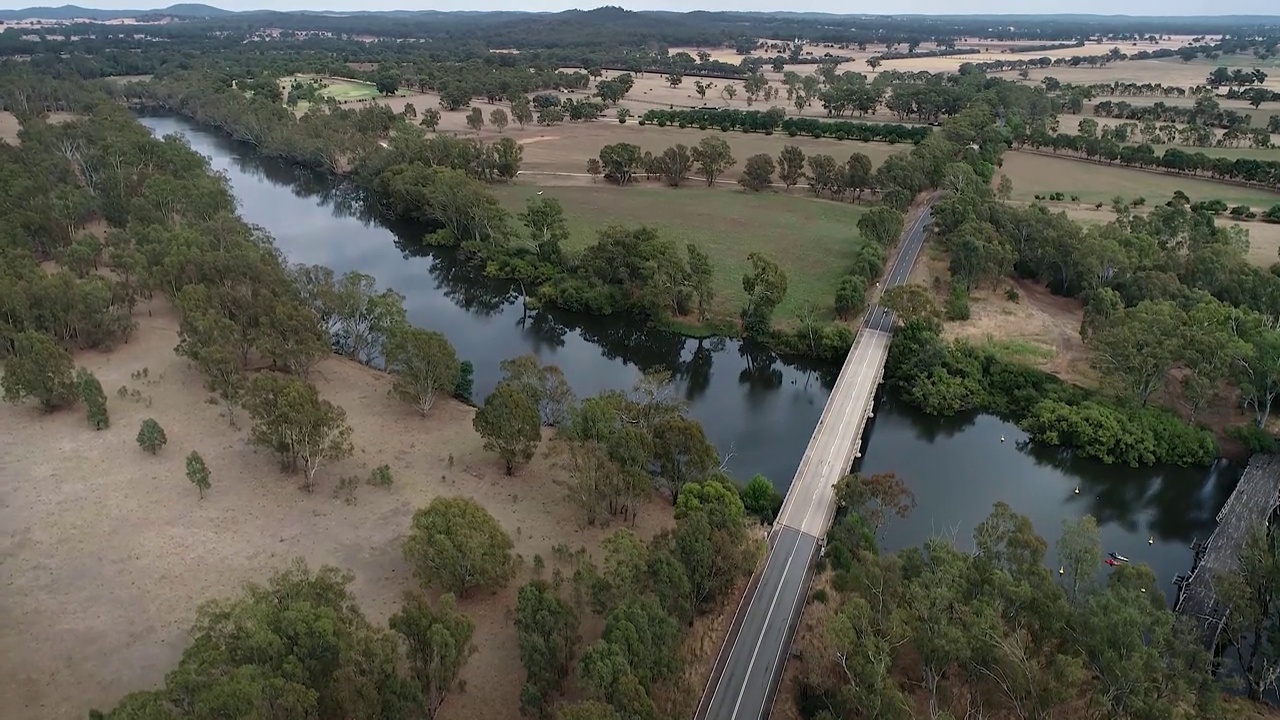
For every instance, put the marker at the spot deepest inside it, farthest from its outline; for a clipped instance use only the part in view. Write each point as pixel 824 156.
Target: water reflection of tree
pixel 1182 502
pixel 929 427
pixel 759 374
pixel 542 327
pixel 696 371
pixel 628 339
pixel 462 282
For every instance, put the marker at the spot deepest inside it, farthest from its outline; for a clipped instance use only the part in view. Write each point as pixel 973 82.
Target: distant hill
pixel 200 10
pixel 71 12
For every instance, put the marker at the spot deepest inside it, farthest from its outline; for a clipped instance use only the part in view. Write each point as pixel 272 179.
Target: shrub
pixel 456 545
pixel 151 436
pixel 95 400
pixel 466 381
pixel 39 368
pixel 1011 294
pixel 662 122
pixel 380 477
pixel 197 472
pixel 1253 438
pixel 761 498
pixel 958 303
pixel 703 126
pixel 795 133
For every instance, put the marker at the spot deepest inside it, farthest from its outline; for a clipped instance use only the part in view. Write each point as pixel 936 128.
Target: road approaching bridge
pixel 749 666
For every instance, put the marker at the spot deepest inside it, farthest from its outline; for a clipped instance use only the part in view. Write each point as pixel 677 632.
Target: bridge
pixel 749 666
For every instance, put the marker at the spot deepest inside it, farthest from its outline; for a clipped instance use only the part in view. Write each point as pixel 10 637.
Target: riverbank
pixel 120 538
pixel 813 241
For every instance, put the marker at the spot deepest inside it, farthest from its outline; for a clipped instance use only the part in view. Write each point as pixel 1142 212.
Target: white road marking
pixel 773 604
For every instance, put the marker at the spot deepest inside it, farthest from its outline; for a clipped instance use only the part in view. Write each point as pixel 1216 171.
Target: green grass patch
pixel 812 240
pixel 1252 153
pixel 342 90
pixel 1017 350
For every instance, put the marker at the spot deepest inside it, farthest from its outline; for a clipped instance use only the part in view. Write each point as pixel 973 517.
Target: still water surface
pixel 755 407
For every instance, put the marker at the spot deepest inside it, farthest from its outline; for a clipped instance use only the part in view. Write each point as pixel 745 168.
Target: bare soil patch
pixel 107 551
pixel 1040 329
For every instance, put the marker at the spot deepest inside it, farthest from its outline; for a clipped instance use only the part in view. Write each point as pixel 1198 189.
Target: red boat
pixel 1112 562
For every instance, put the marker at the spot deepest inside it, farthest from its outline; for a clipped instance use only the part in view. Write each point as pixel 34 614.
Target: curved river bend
pixel 754 406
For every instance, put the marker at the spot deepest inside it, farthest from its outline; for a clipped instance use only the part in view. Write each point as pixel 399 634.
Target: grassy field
pixel 812 240
pixel 1271 153
pixel 342 90
pixel 1034 174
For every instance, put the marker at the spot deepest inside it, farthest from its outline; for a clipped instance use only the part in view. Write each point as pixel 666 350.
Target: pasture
pixel 812 240
pixel 1034 174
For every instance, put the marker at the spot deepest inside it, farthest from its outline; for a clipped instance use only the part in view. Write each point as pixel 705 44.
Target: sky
pixel 898 7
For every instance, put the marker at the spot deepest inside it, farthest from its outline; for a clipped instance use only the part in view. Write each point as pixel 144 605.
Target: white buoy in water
pixel 1151 540
pixel 1001 438
pixel 1062 570
pixel 1077 489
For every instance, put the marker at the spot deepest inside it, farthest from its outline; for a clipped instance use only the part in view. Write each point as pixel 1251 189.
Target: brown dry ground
pixel 107 552
pixel 1041 328
pixel 1169 71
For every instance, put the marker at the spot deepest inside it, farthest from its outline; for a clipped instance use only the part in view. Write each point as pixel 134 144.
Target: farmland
pixel 1034 174
pixel 812 240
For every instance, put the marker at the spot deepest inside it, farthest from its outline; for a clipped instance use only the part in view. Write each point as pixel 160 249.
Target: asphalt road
pixel 751 661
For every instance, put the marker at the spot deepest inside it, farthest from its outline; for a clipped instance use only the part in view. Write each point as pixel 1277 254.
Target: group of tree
pixel 299 646
pixel 709 159
pixel 776 120
pixel 982 628
pixel 1196 164
pixel 647 594
pixel 1205 111
pixel 1163 291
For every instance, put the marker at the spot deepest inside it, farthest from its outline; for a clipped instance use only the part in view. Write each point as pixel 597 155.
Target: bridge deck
pixel 1250 506
pixel 746 674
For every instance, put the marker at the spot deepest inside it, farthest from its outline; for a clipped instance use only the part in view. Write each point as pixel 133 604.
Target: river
pixel 758 409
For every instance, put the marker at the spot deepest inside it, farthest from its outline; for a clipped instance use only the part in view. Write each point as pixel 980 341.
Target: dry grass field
pixel 1034 174
pixel 1040 329
pixel 1169 71
pixel 108 552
